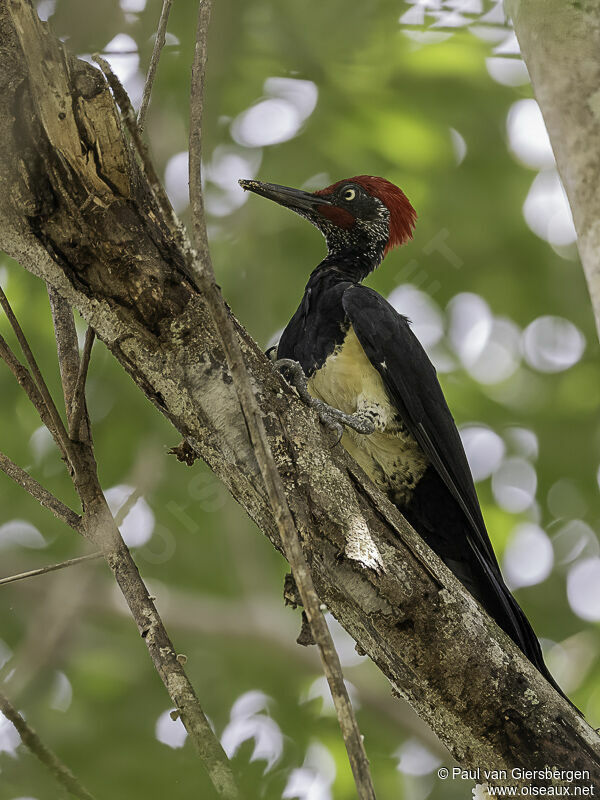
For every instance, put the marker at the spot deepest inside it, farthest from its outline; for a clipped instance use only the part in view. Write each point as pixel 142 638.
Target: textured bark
pixel 76 211
pixel 560 43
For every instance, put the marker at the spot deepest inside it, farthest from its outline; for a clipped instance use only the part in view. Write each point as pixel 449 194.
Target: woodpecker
pixel 368 371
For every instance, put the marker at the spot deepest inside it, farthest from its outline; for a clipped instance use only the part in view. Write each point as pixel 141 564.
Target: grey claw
pixel 332 418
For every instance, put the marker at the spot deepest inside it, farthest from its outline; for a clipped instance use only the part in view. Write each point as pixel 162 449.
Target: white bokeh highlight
pixel 424 313
pixel 507 71
pixel 470 326
pixel 488 347
pixel 41 443
pixel 279 116
pixel 583 589
pixel 522 441
pixel 246 722
pixel 484 449
pixel 169 731
pixel 547 212
pixel 574 540
pixel 416 759
pixel 62 692
pixel 552 344
pixel 527 135
pixel 459 146
pixel 45 9
pixel 223 194
pixel 514 485
pixel 528 556
pixel 133 6
pixel 121 53
pixel 5 653
pixel 20 533
pixel 319 690
pixel 314 780
pixel 177 181
pixel 9 737
pixel 138 525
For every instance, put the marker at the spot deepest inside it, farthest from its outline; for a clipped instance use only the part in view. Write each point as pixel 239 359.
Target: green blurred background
pixel 433 96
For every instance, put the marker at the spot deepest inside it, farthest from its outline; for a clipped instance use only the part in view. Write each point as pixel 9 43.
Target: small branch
pixel 195 148
pixel 101 528
pixel 67 344
pixel 254 421
pixel 78 414
pixel 39 493
pixel 50 760
pixel 129 503
pixel 58 424
pixel 33 573
pixel 159 43
pixel 28 385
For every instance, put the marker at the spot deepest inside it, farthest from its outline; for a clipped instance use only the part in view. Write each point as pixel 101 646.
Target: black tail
pixel 438 518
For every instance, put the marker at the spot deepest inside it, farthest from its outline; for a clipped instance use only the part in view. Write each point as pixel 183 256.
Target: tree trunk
pixel 77 210
pixel 560 43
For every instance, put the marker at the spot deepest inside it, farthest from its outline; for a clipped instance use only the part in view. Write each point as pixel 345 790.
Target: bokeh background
pixel 434 96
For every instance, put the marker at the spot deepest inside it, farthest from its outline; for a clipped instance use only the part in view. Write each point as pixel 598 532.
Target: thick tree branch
pixel 102 529
pixel 48 758
pixel 560 43
pixel 129 281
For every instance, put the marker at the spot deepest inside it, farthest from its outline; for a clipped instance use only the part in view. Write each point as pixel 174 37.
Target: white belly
pixel 390 456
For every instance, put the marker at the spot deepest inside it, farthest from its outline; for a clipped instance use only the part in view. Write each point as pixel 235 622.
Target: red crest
pixel 402 214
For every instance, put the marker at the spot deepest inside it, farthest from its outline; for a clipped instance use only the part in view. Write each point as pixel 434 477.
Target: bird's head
pixel 362 218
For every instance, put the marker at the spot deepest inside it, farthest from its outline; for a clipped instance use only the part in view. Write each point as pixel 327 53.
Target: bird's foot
pixel 331 417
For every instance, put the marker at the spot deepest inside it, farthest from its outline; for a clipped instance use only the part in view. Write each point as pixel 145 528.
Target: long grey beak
pixel 294 199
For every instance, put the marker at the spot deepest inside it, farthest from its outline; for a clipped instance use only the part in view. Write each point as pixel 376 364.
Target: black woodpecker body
pixel 360 356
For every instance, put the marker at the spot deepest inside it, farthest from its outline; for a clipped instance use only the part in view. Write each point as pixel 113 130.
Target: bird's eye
pixel 349 194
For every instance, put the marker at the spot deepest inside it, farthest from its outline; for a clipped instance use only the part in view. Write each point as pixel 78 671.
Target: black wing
pixel 411 382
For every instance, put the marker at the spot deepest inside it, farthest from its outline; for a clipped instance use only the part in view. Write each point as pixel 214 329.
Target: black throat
pixel 355 252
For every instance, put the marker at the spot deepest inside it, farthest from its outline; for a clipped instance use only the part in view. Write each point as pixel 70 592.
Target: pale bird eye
pixel 349 194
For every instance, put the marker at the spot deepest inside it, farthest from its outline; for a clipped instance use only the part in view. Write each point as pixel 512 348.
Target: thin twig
pixel 32 573
pixel 159 43
pixel 67 344
pixel 39 493
pixel 30 388
pixel 258 436
pixel 32 741
pixel 57 421
pixel 129 503
pixel 78 408
pixel 200 237
pixel 101 529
